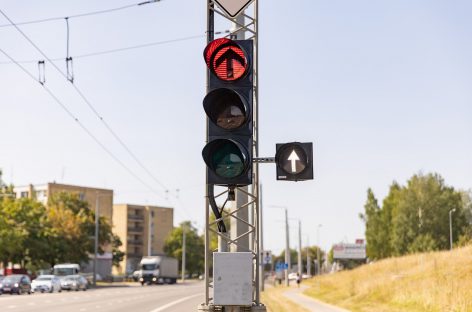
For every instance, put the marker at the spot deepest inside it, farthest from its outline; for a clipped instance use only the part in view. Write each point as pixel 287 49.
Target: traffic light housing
pixel 294 161
pixel 228 105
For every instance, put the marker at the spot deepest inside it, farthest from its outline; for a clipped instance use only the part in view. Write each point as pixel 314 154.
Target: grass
pixel 274 300
pixel 429 282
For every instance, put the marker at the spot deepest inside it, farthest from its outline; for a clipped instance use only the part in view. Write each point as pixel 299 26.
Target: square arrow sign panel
pixel 233 7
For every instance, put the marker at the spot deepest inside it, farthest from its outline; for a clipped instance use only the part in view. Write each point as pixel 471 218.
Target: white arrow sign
pixel 233 7
pixel 293 158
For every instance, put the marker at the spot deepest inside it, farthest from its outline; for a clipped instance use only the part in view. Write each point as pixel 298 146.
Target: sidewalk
pixel 296 295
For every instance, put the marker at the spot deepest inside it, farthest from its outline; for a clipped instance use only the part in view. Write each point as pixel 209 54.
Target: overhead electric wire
pixel 81 94
pixel 81 125
pixel 82 14
pixel 139 46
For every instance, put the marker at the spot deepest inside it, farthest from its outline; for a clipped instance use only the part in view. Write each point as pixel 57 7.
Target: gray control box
pixel 232 278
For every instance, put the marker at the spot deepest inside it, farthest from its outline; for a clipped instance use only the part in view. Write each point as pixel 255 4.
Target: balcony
pixel 137 218
pixel 136 229
pixel 134 254
pixel 135 241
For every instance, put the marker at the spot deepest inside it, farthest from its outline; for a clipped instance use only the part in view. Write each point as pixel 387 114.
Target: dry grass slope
pixel 432 282
pixel 276 302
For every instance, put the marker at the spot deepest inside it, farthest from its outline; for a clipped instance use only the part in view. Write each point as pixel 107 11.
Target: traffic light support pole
pixel 246 212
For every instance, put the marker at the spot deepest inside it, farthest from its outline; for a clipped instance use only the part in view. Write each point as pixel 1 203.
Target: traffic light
pixel 228 105
pixel 294 161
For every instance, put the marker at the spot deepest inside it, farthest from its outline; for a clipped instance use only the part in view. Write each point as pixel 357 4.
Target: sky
pixel 381 88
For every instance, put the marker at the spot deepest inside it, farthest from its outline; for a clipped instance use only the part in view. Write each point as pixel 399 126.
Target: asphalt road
pixel 156 298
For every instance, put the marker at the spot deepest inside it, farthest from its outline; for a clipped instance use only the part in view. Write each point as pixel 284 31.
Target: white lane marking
pixel 12 306
pixel 173 303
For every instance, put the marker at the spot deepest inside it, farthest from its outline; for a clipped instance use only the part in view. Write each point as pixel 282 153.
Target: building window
pixel 152 214
pixel 24 194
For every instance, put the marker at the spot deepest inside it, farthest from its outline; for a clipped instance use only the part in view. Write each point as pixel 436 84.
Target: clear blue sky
pixel 382 88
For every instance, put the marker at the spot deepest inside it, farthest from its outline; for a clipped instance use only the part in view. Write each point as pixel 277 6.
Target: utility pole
pixel 238 228
pixel 97 209
pixel 287 249
pixel 149 248
pixel 318 264
pixel 450 226
pixel 261 243
pixel 308 260
pixel 183 251
pixel 300 248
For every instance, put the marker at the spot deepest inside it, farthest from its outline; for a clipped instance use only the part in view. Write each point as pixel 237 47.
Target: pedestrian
pixel 299 280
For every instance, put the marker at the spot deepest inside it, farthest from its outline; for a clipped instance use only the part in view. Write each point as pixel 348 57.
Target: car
pixel 74 282
pixel 46 283
pixel 1 278
pixel 136 275
pixel 81 282
pixel 16 283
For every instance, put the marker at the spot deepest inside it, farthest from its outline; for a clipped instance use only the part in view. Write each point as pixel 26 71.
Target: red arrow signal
pixel 226 59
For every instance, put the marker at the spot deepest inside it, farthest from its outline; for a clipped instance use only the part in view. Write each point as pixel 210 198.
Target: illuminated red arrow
pixel 230 56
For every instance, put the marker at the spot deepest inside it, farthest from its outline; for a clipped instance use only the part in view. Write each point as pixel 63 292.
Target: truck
pixel 158 270
pixel 64 269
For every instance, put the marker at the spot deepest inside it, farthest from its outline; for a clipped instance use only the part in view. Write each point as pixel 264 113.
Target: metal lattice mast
pixel 248 25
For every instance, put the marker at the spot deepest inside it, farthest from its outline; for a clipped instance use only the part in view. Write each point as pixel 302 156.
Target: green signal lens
pixel 227 160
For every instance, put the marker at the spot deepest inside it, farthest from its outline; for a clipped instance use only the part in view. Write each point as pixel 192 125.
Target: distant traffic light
pixel 294 161
pixel 228 105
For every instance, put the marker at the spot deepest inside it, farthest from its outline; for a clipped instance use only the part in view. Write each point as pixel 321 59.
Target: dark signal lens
pixel 227 160
pixel 225 108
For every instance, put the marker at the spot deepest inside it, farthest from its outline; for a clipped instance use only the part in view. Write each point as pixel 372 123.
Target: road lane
pixel 133 298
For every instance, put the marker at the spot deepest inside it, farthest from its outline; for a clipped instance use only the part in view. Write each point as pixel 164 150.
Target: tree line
pixel 37 236
pixel 415 217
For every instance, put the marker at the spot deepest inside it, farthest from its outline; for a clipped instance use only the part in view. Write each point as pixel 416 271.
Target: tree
pixel 72 229
pixel 423 215
pixel 118 255
pixel 374 227
pixel 12 233
pixel 415 217
pixel 195 247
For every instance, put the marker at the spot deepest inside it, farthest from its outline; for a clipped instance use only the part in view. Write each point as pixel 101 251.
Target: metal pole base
pixel 213 308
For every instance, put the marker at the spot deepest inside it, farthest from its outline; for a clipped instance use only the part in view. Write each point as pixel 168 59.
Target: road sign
pixel 267 257
pixel 233 7
pixel 294 161
pixel 349 251
pixel 281 266
pixel 228 105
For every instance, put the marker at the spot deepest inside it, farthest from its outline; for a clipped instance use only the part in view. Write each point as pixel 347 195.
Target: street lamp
pixel 287 245
pixel 450 225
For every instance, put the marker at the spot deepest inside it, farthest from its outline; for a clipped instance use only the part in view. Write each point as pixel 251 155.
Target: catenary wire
pixel 81 125
pixel 139 46
pixel 83 14
pixel 89 104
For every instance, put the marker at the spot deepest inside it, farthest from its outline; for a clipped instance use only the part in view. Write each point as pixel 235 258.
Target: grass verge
pixel 429 282
pixel 275 301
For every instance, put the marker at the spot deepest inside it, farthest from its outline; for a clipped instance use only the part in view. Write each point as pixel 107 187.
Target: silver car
pixel 74 282
pixel 46 283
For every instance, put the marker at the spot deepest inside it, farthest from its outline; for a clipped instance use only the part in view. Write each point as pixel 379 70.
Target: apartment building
pixel 143 230
pixel 93 196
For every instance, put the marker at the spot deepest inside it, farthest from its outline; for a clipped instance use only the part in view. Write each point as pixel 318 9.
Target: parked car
pixel 16 283
pixel 74 282
pixel 1 278
pixel 46 283
pixel 81 282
